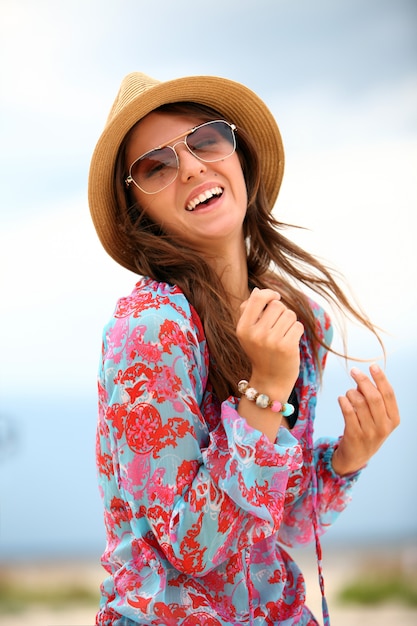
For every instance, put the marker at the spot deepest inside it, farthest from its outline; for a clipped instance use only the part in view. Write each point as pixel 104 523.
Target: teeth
pixel 206 195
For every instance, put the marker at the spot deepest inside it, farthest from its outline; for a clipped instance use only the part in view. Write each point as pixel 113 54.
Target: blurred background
pixel 341 79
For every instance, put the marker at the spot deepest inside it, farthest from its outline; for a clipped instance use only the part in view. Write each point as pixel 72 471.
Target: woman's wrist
pixel 343 466
pixel 259 417
pixel 277 389
pixel 265 401
pixel 266 422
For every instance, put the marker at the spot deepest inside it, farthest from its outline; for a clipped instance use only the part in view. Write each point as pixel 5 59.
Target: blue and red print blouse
pixel 197 504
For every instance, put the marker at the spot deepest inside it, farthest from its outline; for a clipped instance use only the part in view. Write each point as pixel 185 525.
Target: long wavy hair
pixel 273 261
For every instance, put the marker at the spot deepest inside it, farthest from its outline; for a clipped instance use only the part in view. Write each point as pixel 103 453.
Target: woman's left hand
pixel 371 414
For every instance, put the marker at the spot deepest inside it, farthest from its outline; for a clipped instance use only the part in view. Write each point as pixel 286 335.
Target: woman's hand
pixel 269 333
pixel 371 414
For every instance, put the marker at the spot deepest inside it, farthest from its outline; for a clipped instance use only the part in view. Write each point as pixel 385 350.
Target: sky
pixel 341 80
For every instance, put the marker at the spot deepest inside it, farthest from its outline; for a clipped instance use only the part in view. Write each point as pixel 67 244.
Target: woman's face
pixel 209 226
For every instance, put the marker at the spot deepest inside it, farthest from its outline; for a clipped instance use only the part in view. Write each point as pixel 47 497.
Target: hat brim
pixel 234 101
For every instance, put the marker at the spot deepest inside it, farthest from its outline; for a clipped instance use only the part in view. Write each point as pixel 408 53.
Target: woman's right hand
pixel 270 334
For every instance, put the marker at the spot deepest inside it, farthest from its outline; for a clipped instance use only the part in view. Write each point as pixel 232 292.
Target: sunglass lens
pixel 155 170
pixel 212 141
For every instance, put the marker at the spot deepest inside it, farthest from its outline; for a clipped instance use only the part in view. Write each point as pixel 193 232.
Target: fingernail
pixel 355 371
pixel 375 368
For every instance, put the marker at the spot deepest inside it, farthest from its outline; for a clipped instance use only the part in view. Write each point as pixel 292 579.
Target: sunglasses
pixel 158 168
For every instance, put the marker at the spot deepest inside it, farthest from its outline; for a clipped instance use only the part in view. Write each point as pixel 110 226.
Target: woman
pixel 210 368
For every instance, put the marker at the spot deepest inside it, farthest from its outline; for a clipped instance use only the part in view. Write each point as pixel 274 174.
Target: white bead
pixel 262 400
pixel 251 393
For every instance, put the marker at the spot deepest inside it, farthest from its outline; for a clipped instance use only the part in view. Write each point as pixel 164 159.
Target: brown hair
pixel 273 261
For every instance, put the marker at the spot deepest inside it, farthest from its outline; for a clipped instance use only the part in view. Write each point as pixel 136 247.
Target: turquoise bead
pixel 288 409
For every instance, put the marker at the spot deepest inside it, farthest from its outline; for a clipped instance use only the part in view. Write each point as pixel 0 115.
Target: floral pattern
pixel 197 504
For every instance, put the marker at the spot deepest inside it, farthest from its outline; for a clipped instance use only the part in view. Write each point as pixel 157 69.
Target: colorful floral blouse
pixel 197 504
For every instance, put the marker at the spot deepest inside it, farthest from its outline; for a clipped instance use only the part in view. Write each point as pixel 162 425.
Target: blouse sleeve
pixel 174 475
pixel 319 506
pixel 326 494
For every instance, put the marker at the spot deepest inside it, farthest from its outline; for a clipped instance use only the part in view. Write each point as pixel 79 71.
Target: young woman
pixel 210 368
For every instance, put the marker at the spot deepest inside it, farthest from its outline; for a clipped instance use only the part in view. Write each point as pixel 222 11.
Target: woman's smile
pixel 205 198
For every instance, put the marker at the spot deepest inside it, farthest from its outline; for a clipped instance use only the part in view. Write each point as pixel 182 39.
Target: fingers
pixel 370 411
pixel 359 418
pixel 387 393
pixel 265 311
pixel 270 334
pixel 258 301
pixel 377 393
pixel 371 414
pixel 356 407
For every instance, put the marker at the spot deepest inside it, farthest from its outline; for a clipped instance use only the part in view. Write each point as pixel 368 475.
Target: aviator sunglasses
pixel 158 168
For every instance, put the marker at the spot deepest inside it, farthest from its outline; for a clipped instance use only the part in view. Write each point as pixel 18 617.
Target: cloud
pixel 357 200
pixel 59 290
pixel 338 77
pixel 350 179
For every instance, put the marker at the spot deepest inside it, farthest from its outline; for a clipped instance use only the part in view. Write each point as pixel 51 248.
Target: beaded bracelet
pixel 264 401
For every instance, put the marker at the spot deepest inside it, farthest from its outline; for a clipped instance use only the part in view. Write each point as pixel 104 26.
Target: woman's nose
pixel 189 164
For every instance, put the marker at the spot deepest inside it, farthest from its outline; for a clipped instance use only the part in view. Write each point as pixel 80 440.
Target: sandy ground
pixel 339 568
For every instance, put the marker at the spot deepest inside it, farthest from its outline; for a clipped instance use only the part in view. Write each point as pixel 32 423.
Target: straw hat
pixel 139 95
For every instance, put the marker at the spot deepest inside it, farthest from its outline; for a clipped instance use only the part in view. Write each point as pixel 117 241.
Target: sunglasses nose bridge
pixel 187 150
pixel 178 143
pixel 188 163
